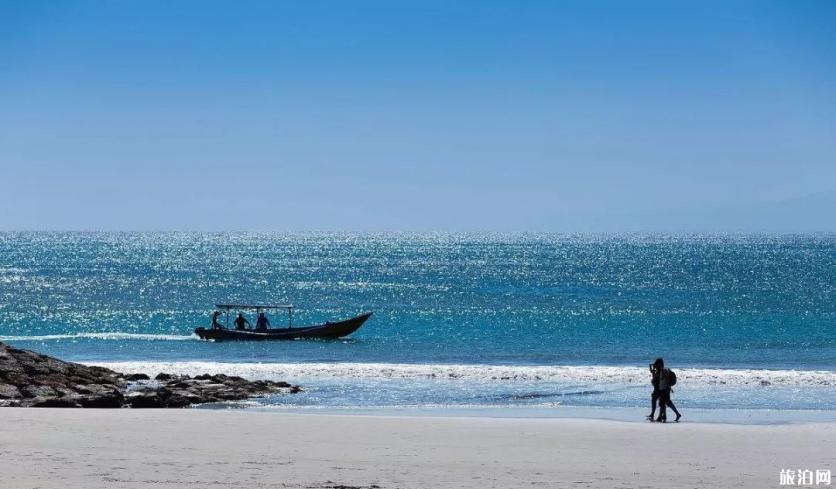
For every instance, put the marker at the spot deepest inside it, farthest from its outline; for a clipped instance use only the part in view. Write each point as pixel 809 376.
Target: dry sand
pixel 54 448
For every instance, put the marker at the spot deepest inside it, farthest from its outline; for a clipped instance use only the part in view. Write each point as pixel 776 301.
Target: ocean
pixel 472 321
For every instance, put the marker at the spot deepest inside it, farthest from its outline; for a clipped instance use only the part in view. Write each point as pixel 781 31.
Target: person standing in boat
pixel 215 323
pixel 241 322
pixel 262 323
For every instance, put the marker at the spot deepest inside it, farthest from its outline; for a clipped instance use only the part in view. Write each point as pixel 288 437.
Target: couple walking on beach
pixel 663 379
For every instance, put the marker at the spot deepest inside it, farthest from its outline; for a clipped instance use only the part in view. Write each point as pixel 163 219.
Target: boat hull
pixel 327 330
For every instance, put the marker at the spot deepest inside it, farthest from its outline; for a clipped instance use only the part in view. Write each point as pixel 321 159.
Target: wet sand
pixel 85 448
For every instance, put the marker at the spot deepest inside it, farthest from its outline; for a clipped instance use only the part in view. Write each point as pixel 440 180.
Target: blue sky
pixel 401 116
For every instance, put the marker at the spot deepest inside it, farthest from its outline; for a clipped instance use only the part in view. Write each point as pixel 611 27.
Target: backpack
pixel 671 378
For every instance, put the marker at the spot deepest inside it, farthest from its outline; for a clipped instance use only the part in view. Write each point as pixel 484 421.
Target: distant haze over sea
pixel 815 213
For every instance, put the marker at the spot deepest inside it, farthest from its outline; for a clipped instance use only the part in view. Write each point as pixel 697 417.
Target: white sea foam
pixel 102 336
pixel 484 373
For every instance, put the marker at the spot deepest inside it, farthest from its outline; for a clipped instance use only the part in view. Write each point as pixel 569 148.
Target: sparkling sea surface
pixel 477 321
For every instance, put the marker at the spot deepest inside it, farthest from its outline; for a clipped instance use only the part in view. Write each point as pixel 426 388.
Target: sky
pixel 556 116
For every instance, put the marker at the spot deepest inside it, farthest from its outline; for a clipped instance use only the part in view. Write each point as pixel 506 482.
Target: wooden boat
pixel 328 330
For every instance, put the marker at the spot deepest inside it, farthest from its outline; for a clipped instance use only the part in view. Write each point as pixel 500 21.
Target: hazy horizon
pixel 563 117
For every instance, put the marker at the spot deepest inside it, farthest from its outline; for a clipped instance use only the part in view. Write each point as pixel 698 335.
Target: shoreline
pixel 29 378
pixel 734 417
pixel 711 395
pixel 75 449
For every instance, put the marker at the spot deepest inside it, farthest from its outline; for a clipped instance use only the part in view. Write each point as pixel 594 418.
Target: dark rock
pixel 101 396
pixel 8 391
pixel 80 380
pixel 144 400
pixel 64 391
pixel 17 379
pixel 33 390
pixel 31 379
pixel 162 392
pixel 82 388
pixel 103 372
pixel 53 379
pixel 103 402
pixel 135 377
pixel 52 402
pixel 10 366
pixel 181 399
pixel 230 395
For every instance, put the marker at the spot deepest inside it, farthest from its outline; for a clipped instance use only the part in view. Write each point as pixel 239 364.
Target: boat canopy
pixel 253 306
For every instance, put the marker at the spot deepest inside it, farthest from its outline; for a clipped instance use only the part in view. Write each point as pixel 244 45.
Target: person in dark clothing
pixel 664 396
pixel 262 323
pixel 654 397
pixel 664 403
pixel 215 323
pixel 241 322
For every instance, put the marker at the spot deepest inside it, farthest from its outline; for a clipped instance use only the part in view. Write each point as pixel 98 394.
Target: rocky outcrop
pixel 30 379
pixel 181 391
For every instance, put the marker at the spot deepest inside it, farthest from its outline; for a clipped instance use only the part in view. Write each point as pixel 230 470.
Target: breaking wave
pixel 102 336
pixel 582 375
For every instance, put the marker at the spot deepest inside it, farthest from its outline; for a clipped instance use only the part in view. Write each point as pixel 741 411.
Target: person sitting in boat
pixel 215 323
pixel 241 322
pixel 262 323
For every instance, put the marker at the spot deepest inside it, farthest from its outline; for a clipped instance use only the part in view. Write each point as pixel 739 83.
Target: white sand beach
pixel 85 448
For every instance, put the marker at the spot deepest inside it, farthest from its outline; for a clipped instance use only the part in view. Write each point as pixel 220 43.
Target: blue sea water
pixel 469 320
